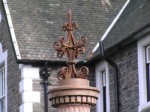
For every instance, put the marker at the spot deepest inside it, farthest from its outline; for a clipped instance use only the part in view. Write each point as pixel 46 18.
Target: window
pixel 144 73
pixel 102 83
pixel 3 80
pixel 2 89
pixel 148 71
pixel 103 73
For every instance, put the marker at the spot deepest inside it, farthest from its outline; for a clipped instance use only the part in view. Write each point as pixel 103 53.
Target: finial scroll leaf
pixel 72 48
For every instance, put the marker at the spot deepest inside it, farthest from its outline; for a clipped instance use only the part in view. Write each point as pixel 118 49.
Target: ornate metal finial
pixel 72 49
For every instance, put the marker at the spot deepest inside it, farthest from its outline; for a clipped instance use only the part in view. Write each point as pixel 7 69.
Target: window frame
pixel 100 67
pixel 142 60
pixel 148 71
pixel 147 47
pixel 3 62
pixel 2 97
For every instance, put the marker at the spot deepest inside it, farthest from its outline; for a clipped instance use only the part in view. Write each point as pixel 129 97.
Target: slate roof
pixel 135 18
pixel 37 23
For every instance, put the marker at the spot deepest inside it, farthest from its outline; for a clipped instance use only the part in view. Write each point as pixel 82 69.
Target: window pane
pixel 2 81
pixel 104 90
pixel 148 54
pixel 148 82
pixel 3 72
pixel 104 78
pixel 2 89
pixel 0 106
pixel 2 103
pixel 104 99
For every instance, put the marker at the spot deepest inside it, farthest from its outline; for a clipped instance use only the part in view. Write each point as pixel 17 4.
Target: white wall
pixel 28 73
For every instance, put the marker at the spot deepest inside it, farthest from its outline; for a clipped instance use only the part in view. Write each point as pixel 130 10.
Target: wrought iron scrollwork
pixel 63 73
pixel 66 27
pixel 72 49
pixel 83 72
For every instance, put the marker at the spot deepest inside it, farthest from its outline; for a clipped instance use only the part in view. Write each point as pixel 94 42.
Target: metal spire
pixel 72 48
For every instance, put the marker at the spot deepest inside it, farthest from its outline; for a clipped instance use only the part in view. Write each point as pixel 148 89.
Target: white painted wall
pixel 28 73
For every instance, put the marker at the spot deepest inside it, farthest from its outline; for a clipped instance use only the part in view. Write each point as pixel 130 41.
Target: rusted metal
pixel 72 49
pixel 73 92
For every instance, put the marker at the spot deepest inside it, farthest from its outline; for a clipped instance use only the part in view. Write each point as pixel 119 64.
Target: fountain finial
pixel 72 48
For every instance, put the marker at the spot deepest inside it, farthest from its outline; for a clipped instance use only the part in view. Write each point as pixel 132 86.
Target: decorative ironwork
pixel 72 49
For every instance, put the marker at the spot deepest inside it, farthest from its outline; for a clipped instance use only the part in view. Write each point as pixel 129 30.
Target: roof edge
pixel 145 30
pixel 42 62
pixel 123 43
pixel 111 25
pixel 11 28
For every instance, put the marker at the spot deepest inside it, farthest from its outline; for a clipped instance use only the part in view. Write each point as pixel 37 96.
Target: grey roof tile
pixel 37 23
pixel 135 17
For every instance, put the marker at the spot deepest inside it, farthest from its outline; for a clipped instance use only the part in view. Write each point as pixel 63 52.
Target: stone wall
pixel 13 68
pixel 37 86
pixel 126 60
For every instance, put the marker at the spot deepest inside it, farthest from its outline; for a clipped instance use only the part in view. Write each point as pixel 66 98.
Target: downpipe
pixel 45 72
pixel 115 68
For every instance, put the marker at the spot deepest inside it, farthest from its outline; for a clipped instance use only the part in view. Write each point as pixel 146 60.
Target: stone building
pixel 28 29
pixel 123 65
